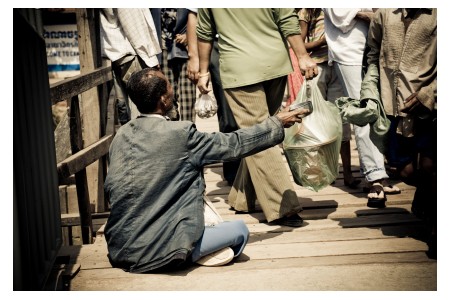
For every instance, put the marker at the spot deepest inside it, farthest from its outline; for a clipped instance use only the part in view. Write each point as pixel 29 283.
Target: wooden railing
pixel 84 155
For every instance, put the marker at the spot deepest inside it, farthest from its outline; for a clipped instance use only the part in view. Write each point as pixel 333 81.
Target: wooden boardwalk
pixel 343 246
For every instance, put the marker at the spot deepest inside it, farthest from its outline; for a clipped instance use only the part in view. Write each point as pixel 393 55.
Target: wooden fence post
pixel 89 105
pixel 80 177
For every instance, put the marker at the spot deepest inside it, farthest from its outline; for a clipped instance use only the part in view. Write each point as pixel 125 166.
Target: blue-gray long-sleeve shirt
pixel 155 186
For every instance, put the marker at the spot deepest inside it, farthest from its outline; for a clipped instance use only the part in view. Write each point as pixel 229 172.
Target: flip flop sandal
pixel 388 189
pixel 391 189
pixel 377 197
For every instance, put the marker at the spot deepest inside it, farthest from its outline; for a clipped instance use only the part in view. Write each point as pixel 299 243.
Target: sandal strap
pixel 378 189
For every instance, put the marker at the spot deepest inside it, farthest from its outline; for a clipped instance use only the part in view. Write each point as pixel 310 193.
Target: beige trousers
pixel 263 176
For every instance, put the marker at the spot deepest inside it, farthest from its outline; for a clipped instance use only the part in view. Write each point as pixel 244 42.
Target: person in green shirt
pixel 254 64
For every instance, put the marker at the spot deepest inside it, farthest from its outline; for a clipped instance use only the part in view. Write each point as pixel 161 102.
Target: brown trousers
pixel 262 176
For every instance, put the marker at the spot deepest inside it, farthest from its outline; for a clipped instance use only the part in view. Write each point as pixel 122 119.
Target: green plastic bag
pixel 312 147
pixel 368 110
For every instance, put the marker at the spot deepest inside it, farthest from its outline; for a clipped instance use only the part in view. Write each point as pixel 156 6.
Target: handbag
pixel 212 216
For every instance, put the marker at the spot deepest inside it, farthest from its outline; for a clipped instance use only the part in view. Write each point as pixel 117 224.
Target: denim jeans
pixel 371 159
pixel 233 234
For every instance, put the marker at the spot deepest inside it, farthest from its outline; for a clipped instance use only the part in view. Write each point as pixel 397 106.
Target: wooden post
pixel 90 105
pixel 80 177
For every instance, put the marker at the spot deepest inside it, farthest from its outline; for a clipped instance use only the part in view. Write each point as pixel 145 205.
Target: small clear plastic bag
pixel 205 106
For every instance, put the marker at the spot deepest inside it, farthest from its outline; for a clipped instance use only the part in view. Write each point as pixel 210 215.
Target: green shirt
pixel 252 42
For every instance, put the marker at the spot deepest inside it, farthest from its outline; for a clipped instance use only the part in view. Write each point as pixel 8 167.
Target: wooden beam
pixel 73 219
pixel 90 104
pixel 69 220
pixel 66 89
pixel 83 158
pixel 67 180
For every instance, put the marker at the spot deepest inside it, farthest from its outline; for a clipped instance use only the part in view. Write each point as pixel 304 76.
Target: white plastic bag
pixel 212 216
pixel 312 147
pixel 205 106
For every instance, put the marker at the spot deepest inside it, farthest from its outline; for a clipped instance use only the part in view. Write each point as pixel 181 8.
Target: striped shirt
pixel 129 31
pixel 314 17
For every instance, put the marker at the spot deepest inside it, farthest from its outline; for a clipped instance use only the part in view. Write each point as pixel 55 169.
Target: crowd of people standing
pixel 161 56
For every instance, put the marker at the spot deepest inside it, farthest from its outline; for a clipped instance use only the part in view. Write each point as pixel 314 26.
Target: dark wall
pixel 37 219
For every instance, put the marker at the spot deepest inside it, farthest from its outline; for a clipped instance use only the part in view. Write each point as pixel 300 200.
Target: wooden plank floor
pixel 343 246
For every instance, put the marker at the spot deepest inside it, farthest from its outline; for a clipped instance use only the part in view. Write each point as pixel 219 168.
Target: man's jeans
pixel 371 159
pixel 233 234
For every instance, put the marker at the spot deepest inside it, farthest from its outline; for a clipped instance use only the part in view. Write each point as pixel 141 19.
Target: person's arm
pixel 305 20
pixel 207 148
pixel 288 24
pixel 307 66
pixel 310 46
pixel 205 38
pixel 193 64
pixel 204 53
pixel 303 24
pixel 374 38
pixel 181 38
pixel 421 102
pixel 366 16
pixel 370 83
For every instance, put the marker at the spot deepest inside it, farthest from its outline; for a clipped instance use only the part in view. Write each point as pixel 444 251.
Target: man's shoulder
pixel 174 129
pixel 180 124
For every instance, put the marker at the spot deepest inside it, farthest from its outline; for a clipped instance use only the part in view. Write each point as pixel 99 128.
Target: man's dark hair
pixel 145 89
